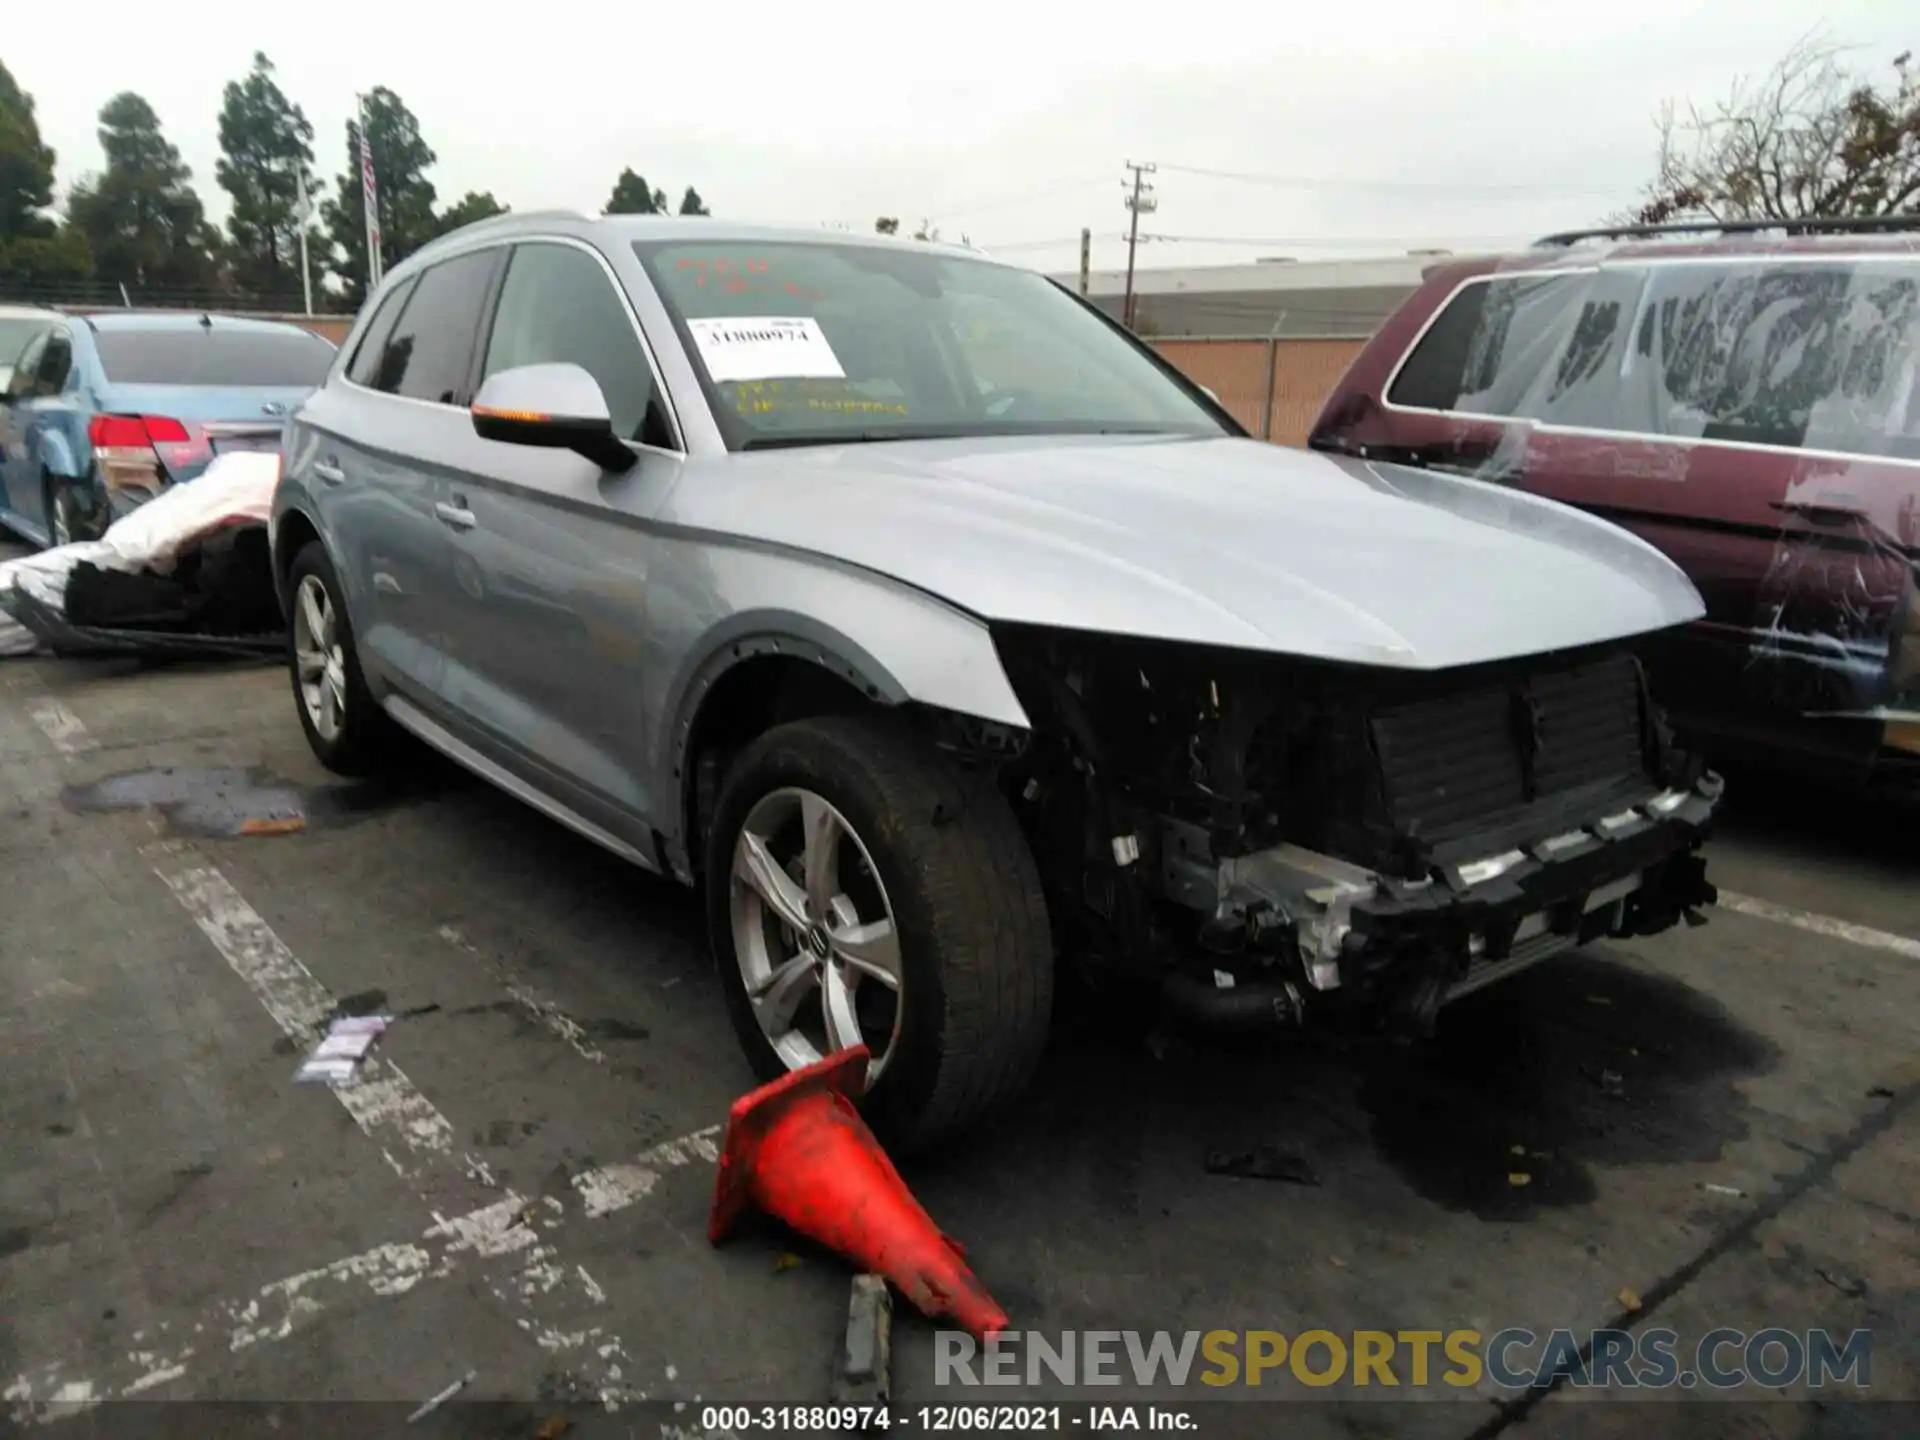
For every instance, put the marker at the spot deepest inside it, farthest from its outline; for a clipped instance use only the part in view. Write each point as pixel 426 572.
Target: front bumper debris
pixel 1407 947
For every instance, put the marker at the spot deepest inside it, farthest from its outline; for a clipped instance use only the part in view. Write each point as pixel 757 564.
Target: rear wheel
pixel 67 521
pixel 862 889
pixel 345 727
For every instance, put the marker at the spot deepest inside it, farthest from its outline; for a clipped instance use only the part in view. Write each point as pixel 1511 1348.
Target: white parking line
pixel 60 725
pixel 411 1133
pixel 415 1137
pixel 1821 924
pixel 510 1226
pixel 614 1187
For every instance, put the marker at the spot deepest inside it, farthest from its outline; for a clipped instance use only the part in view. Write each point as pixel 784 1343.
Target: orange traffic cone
pixel 798 1149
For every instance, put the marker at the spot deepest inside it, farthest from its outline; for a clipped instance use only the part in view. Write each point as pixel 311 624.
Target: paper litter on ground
pixel 336 1059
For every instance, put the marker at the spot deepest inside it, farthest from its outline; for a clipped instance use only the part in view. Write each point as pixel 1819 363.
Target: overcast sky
pixel 1379 125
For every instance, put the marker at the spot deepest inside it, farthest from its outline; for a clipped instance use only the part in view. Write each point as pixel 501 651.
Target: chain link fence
pixel 80 295
pixel 1272 367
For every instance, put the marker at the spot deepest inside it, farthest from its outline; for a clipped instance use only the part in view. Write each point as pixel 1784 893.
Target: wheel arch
pixel 766 667
pixel 293 530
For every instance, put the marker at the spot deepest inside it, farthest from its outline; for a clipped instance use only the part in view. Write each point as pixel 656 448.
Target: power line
pixel 1043 244
pixel 1006 201
pixel 1332 242
pixel 1396 187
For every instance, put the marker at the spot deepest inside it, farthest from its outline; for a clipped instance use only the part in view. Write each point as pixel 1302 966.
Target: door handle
pixel 454 516
pixel 328 471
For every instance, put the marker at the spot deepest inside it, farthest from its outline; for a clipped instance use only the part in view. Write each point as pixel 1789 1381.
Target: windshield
pixel 200 356
pixel 818 343
pixel 14 335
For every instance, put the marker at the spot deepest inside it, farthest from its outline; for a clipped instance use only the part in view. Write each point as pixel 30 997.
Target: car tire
pixel 345 727
pixel 67 523
pixel 939 852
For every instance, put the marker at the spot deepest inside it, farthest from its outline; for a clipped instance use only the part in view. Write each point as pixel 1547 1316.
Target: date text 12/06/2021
pixel 942 1419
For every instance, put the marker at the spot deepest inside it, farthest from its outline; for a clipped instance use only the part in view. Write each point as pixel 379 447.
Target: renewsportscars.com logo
pixel 1518 1359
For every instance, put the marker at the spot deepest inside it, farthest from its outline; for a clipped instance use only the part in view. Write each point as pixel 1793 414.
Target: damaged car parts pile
pixel 187 573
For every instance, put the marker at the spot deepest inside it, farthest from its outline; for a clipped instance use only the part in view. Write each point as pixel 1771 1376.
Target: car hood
pixel 1219 542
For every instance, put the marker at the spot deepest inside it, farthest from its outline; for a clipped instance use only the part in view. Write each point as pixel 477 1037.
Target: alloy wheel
pixel 319 658
pixel 814 933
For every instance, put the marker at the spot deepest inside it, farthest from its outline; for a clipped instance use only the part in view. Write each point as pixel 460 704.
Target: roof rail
pixel 1830 225
pixel 558 213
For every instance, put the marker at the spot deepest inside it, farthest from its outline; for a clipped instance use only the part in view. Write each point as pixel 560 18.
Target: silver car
pixel 940 633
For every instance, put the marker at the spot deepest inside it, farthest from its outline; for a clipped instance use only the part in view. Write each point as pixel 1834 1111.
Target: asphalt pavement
pixel 1716 1127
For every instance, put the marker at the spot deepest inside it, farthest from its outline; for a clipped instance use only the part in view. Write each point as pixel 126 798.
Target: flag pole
pixel 305 209
pixel 370 197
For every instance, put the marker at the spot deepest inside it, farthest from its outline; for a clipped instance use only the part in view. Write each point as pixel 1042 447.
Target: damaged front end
pixel 1263 838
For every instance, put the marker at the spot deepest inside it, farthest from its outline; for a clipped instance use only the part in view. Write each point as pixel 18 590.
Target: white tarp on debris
pixel 234 490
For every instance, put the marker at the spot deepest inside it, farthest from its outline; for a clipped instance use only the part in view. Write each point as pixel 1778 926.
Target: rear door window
pixel 1581 385
pixel 50 376
pixel 429 353
pixel 366 357
pixel 214 357
pixel 1487 345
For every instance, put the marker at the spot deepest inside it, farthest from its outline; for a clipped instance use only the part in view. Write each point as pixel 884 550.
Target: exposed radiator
pixel 1454 763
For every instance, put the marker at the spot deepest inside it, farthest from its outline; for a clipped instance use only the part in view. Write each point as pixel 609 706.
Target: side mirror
pixel 550 407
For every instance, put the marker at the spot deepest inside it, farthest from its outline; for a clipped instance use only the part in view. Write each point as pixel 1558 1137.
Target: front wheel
pixel 862 889
pixel 346 729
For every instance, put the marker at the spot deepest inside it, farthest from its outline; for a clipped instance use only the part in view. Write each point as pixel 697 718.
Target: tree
pixel 142 221
pixel 632 196
pixel 51 259
pixel 402 192
pixel 472 206
pixel 1812 139
pixel 266 145
pixel 886 225
pixel 33 248
pixel 26 166
pixel 692 204
pixel 927 231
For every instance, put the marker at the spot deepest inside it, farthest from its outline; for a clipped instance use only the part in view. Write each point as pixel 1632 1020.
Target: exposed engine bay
pixel 1265 837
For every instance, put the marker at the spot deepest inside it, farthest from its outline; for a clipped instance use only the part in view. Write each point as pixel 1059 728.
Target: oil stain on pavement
pixel 1585 1063
pixel 226 801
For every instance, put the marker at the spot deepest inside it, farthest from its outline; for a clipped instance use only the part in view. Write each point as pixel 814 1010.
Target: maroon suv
pixel 1742 397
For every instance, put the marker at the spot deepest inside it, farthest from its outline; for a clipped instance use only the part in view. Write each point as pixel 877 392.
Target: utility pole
pixel 1139 200
pixel 1086 260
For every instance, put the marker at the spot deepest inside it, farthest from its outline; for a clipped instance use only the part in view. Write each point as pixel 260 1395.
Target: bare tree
pixel 1813 138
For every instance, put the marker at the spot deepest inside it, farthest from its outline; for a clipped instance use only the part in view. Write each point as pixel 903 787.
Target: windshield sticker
pixel 765 348
pixel 741 277
pixel 768 397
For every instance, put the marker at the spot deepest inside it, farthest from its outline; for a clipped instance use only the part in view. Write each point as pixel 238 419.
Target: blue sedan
pixel 104 411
